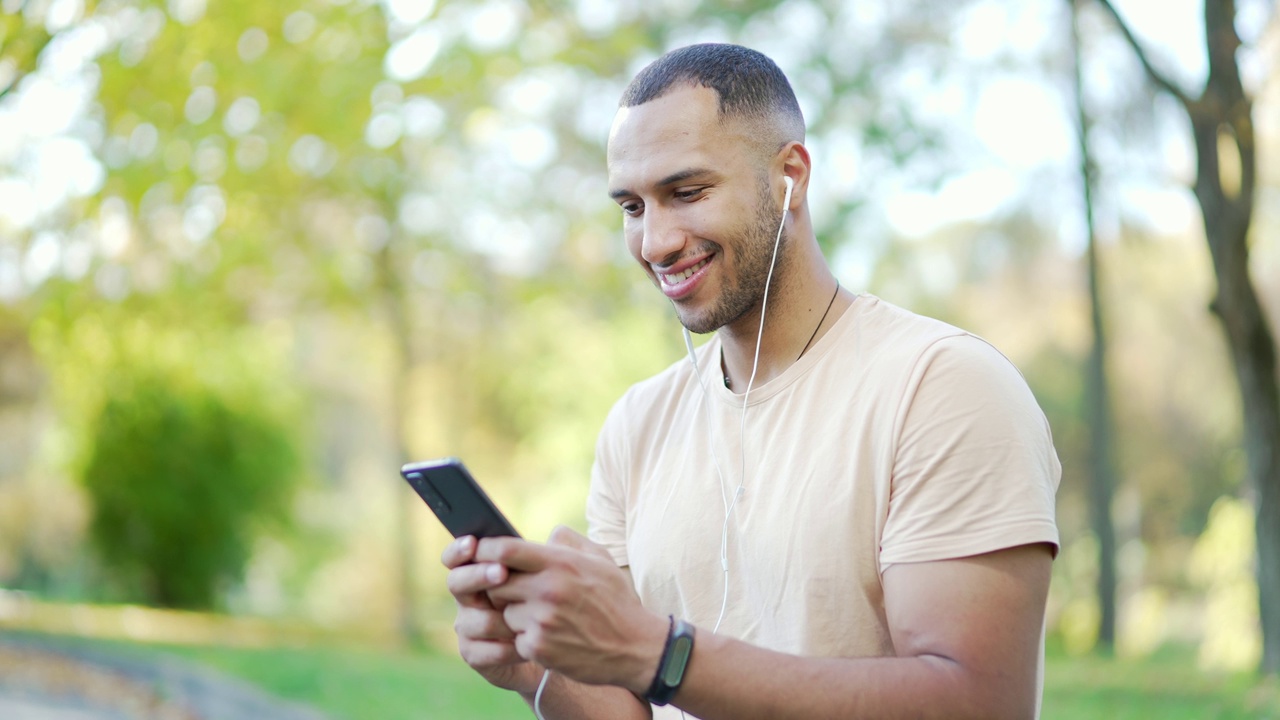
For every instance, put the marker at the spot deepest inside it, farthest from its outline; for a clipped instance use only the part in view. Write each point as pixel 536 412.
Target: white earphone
pixel 730 504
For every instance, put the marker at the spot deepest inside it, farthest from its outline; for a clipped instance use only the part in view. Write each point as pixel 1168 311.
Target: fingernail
pixel 466 543
pixel 493 573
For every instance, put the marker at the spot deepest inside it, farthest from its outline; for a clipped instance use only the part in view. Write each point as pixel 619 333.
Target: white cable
pixel 710 426
pixel 746 396
pixel 537 697
pixel 728 508
pixel 742 428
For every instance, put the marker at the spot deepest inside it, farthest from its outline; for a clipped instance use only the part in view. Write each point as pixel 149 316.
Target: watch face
pixel 674 671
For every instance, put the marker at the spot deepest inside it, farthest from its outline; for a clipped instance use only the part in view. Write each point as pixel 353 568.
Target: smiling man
pixel 834 508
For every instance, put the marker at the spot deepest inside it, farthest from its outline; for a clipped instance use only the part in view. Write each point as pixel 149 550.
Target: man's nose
pixel 664 239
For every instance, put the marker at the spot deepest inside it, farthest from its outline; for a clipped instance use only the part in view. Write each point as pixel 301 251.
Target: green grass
pixel 358 684
pixel 1166 685
pixel 353 684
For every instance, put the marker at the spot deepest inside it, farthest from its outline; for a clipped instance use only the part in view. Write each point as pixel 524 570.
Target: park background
pixel 254 256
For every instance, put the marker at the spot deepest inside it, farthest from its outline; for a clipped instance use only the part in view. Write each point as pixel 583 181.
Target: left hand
pixel 575 611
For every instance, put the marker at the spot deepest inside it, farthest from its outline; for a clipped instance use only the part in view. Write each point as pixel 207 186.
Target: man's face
pixel 698 213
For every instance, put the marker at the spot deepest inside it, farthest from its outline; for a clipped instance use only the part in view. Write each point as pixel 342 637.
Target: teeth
pixel 673 278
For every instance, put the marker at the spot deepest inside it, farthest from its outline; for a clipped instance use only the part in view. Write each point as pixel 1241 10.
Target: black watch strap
pixel 675 659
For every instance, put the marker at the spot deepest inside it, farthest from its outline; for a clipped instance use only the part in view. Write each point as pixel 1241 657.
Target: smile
pixel 675 278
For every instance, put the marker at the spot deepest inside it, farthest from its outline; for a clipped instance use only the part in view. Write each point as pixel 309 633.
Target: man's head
pixel 750 87
pixel 697 155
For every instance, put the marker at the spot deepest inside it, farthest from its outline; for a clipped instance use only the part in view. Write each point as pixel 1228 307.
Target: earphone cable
pixel 537 697
pixel 710 426
pixel 742 428
pixel 742 425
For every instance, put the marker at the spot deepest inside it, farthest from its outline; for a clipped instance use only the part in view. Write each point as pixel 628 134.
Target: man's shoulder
pixel 916 346
pixel 899 348
pixel 890 333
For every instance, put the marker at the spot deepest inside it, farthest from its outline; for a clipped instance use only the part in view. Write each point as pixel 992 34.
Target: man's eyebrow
pixel 672 179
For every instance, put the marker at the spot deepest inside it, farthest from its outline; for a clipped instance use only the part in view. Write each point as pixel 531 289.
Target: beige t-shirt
pixel 895 438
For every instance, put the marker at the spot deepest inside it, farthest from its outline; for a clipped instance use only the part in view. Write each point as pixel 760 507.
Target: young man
pixel 836 508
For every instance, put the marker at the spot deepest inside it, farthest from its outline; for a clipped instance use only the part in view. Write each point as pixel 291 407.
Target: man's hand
pixel 573 610
pixel 485 641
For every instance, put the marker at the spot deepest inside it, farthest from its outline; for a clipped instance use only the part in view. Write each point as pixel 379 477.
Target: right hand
pixel 484 640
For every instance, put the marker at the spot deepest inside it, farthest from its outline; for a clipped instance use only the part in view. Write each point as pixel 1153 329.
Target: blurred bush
pixel 183 477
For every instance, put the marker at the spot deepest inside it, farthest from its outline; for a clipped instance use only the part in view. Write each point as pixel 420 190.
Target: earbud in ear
pixel 786 201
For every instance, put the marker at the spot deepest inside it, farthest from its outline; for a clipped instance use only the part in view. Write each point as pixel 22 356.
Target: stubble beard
pixel 743 293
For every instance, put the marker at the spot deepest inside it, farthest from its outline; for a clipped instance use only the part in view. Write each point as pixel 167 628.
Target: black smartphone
pixel 456 498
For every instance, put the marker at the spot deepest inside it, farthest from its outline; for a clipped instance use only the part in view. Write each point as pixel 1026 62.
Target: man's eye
pixel 687 194
pixel 632 209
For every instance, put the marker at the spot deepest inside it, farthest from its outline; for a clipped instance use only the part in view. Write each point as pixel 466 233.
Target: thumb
pixel 568 537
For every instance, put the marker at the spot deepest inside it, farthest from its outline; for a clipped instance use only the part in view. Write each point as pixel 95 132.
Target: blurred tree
pixel 21 42
pixel 183 481
pixel 1097 389
pixel 1226 175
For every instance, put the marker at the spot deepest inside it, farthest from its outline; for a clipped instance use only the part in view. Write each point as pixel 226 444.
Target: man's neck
pixel 800 310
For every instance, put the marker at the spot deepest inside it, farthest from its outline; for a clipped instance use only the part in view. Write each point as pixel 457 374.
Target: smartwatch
pixel 675 658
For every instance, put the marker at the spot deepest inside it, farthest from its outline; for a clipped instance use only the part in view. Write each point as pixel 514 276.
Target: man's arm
pixel 966 632
pixel 967 637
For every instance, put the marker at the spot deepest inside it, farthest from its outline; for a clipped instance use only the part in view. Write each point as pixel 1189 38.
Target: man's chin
pixel 698 324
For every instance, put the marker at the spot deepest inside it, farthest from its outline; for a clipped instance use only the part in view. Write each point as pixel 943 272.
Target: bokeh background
pixel 255 255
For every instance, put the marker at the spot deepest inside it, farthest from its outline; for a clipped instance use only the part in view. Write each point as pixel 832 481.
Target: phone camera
pixel 429 494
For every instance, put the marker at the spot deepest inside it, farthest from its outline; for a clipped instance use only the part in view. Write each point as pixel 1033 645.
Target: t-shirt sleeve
pixel 606 499
pixel 974 469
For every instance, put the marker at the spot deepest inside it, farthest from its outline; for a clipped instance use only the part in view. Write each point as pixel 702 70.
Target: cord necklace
pixel 805 349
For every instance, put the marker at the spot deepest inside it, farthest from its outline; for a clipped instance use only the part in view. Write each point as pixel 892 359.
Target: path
pixel 49 679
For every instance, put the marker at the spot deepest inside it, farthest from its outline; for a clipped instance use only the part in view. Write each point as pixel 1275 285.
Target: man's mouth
pixel 676 278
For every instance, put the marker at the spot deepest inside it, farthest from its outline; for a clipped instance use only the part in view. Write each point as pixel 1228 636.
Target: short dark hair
pixel 748 83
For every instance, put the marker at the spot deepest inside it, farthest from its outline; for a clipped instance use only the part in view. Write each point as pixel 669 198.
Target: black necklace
pixel 805 349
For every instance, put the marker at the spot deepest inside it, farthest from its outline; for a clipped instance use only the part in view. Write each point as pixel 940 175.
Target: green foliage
pixel 185 434
pixel 182 478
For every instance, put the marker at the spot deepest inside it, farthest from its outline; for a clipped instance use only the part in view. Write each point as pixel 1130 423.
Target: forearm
pixel 565 699
pixel 730 679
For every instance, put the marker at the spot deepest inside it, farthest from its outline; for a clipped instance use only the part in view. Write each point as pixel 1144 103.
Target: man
pixel 859 498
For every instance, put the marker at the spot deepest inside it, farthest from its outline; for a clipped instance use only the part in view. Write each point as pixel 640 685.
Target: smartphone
pixel 456 498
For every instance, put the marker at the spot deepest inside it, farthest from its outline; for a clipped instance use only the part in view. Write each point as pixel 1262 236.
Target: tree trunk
pixel 1097 391
pixel 1222 117
pixel 393 305
pixel 1252 348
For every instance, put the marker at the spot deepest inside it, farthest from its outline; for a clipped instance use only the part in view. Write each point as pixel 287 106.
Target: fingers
pixel 483 654
pixel 524 556
pixel 485 642
pixel 568 537
pixel 528 634
pixel 459 552
pixel 514 553
pixel 482 625
pixel 469 583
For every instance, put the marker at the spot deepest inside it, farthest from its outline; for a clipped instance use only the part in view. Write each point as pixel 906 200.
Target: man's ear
pixel 797 165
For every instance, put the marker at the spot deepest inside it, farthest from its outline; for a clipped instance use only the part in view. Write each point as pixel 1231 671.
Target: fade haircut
pixel 750 86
